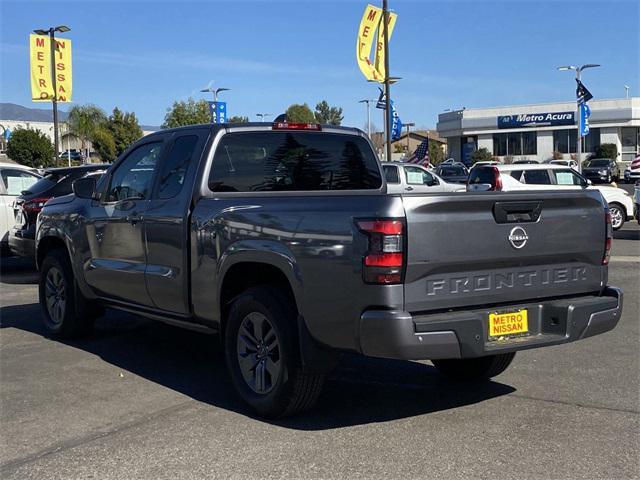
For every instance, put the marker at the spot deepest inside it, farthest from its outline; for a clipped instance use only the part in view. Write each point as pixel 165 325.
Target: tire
pixel 262 355
pixel 66 314
pixel 618 215
pixel 474 369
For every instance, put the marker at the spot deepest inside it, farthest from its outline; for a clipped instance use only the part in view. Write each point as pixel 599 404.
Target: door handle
pixel 409 188
pixel 133 219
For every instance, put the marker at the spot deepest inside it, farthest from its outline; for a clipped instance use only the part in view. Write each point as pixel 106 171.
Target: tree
pixel 104 143
pixel 183 113
pixel 607 150
pixel 31 148
pixel 328 115
pixel 124 130
pixel 238 119
pixel 297 113
pixel 481 155
pixel 83 120
pixel 436 155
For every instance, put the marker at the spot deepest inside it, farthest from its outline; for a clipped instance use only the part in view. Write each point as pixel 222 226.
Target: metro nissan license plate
pixel 507 324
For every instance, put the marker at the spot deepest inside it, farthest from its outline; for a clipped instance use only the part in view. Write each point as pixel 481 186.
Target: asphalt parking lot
pixel 145 400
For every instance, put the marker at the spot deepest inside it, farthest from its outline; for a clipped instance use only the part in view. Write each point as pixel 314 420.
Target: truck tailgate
pixel 492 248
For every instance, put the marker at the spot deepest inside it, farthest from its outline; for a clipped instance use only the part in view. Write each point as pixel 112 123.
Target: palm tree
pixel 83 121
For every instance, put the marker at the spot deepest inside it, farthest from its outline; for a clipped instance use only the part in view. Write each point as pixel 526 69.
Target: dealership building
pixel 535 132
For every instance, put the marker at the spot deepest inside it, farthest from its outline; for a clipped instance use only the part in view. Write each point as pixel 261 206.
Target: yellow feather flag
pixel 41 82
pixel 366 32
pixel 379 60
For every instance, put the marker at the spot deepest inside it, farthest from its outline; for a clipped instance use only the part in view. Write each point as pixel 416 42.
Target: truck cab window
pixel 175 165
pixel 132 178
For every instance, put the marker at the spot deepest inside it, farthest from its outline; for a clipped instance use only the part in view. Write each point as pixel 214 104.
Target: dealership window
pixel 515 143
pixel 630 143
pixel 564 141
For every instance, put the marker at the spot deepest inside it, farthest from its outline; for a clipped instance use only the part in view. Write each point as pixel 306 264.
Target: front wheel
pixel 64 315
pixel 474 369
pixel 261 351
pixel 617 216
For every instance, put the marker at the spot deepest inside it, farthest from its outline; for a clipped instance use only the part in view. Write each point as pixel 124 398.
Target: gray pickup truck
pixel 282 239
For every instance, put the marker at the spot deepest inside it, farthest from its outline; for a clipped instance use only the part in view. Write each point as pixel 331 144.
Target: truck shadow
pixel 626 235
pixel 18 271
pixel 362 390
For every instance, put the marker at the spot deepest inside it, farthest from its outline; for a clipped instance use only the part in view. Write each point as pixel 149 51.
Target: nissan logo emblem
pixel 518 237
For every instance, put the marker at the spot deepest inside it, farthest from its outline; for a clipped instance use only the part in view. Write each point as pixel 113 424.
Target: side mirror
pixel 84 187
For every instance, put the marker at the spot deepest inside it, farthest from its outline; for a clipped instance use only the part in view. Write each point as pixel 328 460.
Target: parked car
pixel 453 172
pixel 73 155
pixel 409 177
pixel 565 163
pixel 14 178
pixel 525 162
pixel 601 170
pixel 56 182
pixel 632 172
pixel 550 177
pixel 210 228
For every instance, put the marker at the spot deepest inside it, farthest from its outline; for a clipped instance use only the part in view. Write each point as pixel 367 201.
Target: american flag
pixel 421 155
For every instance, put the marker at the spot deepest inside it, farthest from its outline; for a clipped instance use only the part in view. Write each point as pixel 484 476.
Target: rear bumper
pixel 464 334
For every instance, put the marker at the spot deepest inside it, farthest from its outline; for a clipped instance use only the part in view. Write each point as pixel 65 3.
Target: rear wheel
pixel 65 313
pixel 617 215
pixel 474 369
pixel 261 351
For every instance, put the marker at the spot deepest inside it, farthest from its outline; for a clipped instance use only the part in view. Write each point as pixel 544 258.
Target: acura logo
pixel 518 237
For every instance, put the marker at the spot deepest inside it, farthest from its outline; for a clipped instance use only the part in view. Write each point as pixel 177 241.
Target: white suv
pixel 548 177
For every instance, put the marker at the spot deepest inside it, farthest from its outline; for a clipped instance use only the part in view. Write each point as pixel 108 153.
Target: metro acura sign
pixel 536 120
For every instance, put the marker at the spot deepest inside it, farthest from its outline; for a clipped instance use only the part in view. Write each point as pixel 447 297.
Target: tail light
pixel 496 185
pixel 35 204
pixel 296 126
pixel 383 263
pixel 608 238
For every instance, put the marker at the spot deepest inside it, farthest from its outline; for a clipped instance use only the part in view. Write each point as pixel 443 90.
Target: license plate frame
pixel 508 324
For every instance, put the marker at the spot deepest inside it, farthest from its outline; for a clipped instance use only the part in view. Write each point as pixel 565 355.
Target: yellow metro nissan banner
pixel 372 21
pixel 41 84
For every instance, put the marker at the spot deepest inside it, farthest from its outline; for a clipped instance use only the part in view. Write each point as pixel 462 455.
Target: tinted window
pixel 391 174
pixel 293 161
pixel 597 163
pixel 453 170
pixel 132 179
pixel 16 181
pixel 174 168
pixel 537 177
pixel 482 175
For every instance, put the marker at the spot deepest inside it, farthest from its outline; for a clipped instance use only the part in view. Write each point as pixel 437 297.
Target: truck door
pixel 115 227
pixel 167 222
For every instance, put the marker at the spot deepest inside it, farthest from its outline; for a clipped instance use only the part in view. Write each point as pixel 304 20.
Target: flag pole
pixel 387 91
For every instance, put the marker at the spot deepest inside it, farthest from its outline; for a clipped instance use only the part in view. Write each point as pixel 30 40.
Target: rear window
pixel 482 175
pixel 391 174
pixel 293 161
pixel 597 163
pixel 452 171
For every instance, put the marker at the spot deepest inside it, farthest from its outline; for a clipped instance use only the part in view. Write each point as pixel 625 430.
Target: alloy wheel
pixel 616 217
pixel 258 352
pixel 55 295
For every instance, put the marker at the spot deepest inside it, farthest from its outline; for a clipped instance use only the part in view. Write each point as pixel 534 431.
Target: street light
pixel 367 101
pixel 54 101
pixel 215 92
pixel 626 91
pixel 578 71
pixel 262 115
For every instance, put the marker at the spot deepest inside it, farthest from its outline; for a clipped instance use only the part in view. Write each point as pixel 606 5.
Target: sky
pixel 142 56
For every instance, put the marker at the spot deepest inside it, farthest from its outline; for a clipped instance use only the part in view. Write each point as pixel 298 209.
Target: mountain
pixel 12 111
